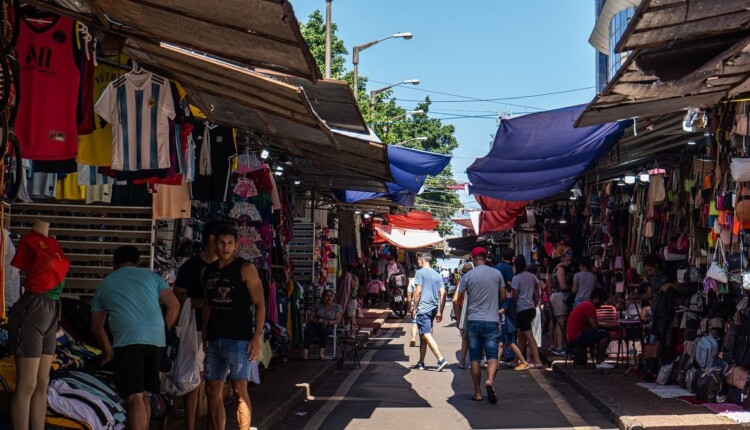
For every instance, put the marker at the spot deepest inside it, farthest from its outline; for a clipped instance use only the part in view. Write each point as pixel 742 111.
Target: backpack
pixel 706 349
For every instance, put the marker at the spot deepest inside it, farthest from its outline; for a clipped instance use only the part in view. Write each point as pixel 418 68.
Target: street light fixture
pixel 359 48
pixel 374 93
pixel 413 112
pixel 420 139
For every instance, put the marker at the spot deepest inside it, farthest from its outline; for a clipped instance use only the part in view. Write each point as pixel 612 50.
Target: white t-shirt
pixel 139 107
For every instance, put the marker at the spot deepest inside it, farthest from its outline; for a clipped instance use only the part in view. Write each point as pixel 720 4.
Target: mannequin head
pixel 41 227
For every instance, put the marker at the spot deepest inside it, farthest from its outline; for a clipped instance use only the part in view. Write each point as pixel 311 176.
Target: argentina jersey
pixel 139 107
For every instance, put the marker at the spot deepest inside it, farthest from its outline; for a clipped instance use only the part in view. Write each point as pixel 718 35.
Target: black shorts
pixel 525 318
pixel 137 369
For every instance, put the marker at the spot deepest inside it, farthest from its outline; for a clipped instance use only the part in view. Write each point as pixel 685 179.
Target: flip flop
pixel 491 397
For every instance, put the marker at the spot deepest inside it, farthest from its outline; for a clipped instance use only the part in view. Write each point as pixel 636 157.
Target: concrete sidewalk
pixel 633 407
pixel 286 385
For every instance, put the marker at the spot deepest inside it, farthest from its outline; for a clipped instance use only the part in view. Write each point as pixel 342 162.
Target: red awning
pixel 499 215
pixel 413 220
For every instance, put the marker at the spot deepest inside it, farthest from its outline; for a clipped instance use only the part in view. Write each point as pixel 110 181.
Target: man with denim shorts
pixel 483 288
pixel 429 299
pixel 233 316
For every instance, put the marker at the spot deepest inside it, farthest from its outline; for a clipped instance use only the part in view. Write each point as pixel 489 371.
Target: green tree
pixel 393 125
pixel 314 33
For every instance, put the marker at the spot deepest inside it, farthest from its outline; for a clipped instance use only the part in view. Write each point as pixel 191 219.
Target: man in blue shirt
pixel 429 296
pixel 505 268
pixel 130 297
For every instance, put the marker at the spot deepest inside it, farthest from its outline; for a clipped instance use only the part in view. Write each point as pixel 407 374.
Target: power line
pixel 491 100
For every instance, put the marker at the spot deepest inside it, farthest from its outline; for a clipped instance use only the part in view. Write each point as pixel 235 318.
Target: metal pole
pixel 355 61
pixel 372 109
pixel 328 39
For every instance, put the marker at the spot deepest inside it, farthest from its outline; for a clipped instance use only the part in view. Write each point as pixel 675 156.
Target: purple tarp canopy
pixel 539 155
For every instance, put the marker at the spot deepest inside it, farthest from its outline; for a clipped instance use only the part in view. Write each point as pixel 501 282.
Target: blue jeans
pixel 483 335
pixel 227 357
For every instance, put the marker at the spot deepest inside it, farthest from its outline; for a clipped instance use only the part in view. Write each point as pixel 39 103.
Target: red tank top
pixel 46 126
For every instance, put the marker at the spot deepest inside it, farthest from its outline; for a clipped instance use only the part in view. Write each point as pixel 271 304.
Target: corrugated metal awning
pixel 262 33
pixel 686 54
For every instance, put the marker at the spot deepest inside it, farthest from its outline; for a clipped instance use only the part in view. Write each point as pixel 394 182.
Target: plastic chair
pixel 333 336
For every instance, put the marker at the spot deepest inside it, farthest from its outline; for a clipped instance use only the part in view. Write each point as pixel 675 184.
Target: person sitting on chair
pixel 321 323
pixel 583 329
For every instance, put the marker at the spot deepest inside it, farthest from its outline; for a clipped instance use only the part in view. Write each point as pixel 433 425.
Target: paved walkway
pixel 386 393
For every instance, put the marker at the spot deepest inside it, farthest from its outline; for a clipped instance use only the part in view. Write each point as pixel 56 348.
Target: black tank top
pixel 232 310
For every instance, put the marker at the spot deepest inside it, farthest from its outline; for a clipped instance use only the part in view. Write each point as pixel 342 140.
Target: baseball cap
pixel 467 267
pixel 478 251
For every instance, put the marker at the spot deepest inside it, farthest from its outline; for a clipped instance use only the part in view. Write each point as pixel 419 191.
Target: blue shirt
pixel 506 270
pixel 130 296
pixel 431 283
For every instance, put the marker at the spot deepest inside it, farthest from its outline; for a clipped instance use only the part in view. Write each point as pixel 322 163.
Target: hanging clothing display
pixel 46 125
pixel 171 202
pixel 214 148
pixel 139 105
pixel 95 148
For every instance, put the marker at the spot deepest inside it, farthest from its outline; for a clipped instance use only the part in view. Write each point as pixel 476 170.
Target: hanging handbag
pixel 742 122
pixel 656 191
pixel 740 168
pixel 716 270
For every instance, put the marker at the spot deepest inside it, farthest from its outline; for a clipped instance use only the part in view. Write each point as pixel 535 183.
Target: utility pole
pixel 328 39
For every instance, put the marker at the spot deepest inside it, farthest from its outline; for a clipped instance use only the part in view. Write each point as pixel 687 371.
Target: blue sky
pixel 485 49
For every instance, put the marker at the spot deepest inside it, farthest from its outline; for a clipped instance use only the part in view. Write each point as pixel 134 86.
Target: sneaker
pixel 419 366
pixel 522 366
pixel 605 366
pixel 557 352
pixel 441 365
pixel 413 343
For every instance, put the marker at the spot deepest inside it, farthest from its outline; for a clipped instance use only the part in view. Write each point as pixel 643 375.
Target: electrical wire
pixel 491 100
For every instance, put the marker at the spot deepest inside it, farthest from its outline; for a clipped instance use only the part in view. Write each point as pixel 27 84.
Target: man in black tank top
pixel 233 316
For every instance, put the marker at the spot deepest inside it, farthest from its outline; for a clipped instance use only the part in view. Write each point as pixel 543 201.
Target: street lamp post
pixel 359 48
pixel 374 94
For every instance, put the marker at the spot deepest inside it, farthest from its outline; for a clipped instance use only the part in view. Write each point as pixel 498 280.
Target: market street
pixel 386 393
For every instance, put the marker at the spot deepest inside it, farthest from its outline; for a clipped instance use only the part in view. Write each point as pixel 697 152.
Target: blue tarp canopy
pixel 539 155
pixel 409 168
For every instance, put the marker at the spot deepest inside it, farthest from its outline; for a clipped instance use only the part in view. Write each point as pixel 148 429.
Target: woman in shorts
pixel 560 289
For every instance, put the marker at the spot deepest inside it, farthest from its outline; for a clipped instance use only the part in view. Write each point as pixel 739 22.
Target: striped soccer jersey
pixel 139 107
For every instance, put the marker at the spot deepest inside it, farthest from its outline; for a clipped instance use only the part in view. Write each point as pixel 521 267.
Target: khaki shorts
pixel 559 307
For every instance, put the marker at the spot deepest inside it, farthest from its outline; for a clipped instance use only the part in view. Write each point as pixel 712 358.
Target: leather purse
pixel 651 350
pixel 736 376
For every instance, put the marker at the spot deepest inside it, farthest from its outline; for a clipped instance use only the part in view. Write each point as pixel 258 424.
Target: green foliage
pixel 314 33
pixel 393 125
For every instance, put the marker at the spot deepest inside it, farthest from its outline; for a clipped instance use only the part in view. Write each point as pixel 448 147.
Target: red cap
pixel 478 251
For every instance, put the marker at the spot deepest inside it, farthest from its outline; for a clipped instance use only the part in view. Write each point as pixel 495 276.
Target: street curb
pixel 623 421
pixel 272 421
